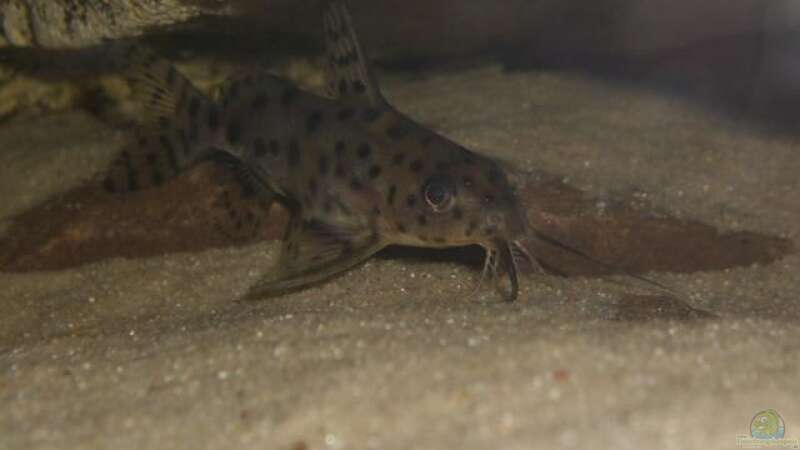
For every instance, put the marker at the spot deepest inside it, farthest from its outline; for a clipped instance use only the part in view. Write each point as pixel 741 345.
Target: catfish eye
pixel 439 195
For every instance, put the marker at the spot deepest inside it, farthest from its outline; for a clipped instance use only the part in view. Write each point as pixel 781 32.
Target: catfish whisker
pixel 510 263
pixel 520 250
pixel 489 261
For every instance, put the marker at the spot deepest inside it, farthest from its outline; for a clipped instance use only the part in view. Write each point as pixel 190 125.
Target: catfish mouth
pixel 502 254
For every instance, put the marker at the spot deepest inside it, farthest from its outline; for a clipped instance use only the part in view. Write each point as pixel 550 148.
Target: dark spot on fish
pixel 374 171
pixel 194 107
pixel 471 228
pixel 346 60
pixel 235 90
pixel 180 97
pixel 164 122
pixel 133 182
pixel 457 213
pixel 313 121
pixel 493 176
pixel 259 147
pixel 401 228
pixel 158 179
pixel 213 118
pixel 194 131
pixel 151 158
pixel 333 35
pixel 391 194
pixel 416 166
pixel 359 86
pixel 187 147
pixel 339 149
pixel 288 96
pixel 294 153
pixel 411 200
pixel 355 184
pixel 323 165
pixel 345 114
pixel 488 231
pixel 397 132
pixel 422 220
pixel 233 132
pixel 274 147
pixel 171 76
pixel 439 240
pixel 371 114
pixel 156 96
pixel 167 145
pixel 342 87
pixel 398 159
pixel 364 151
pixel 108 184
pixel 260 101
pixel 376 211
pixel 347 248
pixel 344 209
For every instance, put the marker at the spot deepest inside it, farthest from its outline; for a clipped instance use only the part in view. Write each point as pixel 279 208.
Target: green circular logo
pixel 767 424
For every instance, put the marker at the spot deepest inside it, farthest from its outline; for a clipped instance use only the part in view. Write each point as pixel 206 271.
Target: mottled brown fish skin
pixel 356 174
pixel 336 160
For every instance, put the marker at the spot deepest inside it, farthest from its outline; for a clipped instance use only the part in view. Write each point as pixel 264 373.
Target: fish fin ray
pixel 348 72
pixel 314 251
pixel 167 141
pixel 150 159
pixel 249 179
pixel 160 88
pixel 239 218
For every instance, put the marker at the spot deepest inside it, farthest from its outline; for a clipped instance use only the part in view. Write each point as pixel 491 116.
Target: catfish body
pixel 355 173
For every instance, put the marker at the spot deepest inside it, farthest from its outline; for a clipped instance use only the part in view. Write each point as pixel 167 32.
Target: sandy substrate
pixel 155 353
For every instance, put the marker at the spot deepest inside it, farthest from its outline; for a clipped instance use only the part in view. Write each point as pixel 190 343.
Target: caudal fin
pixel 169 138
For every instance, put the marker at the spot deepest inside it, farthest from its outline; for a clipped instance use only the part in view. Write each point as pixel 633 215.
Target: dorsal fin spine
pixel 349 74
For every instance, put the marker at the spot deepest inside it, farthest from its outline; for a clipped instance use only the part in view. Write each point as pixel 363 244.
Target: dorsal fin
pixel 348 72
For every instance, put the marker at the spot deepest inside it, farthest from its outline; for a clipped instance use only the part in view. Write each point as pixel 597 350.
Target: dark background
pixel 740 55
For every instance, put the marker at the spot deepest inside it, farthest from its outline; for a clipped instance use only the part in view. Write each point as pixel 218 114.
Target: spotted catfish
pixel 356 174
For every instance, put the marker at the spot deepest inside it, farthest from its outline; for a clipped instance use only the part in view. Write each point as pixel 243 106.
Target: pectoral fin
pixel 314 251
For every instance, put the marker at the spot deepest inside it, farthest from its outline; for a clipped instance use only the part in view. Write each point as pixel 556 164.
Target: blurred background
pixel 739 55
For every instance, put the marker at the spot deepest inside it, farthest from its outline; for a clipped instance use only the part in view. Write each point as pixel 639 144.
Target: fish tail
pixel 171 137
